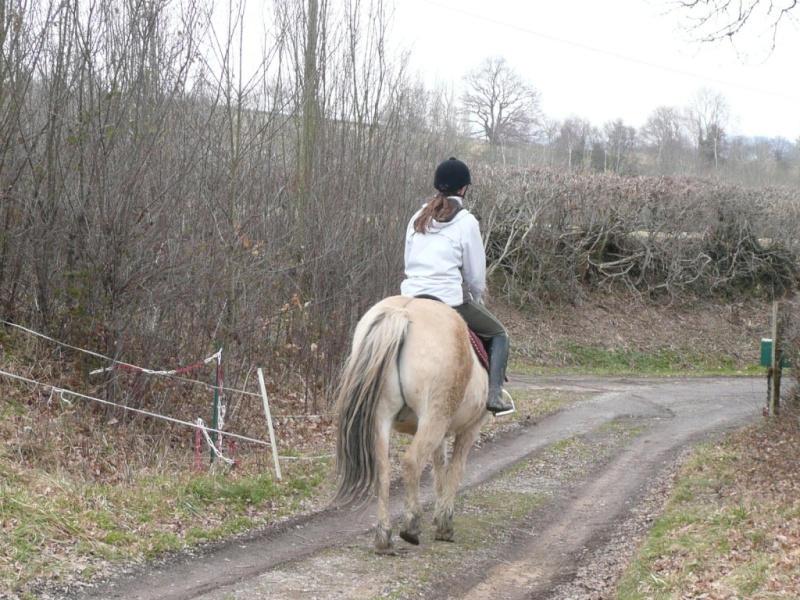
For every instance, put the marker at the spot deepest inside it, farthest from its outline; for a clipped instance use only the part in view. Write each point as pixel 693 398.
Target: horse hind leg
pixel 445 501
pixel 383 540
pixel 443 520
pixel 413 511
pixel 383 529
pixel 426 441
pixel 440 468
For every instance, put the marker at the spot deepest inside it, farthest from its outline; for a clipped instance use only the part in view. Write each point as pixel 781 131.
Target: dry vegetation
pixel 557 235
pixel 153 205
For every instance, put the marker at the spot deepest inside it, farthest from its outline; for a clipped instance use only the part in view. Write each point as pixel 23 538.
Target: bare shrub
pixel 553 235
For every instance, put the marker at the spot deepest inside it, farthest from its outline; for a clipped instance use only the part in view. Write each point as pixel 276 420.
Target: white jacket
pixel 448 261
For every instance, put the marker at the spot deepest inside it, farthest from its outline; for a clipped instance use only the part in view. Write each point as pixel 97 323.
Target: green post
pixel 215 419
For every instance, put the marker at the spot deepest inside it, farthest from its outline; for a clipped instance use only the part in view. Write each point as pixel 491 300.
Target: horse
pixel 411 368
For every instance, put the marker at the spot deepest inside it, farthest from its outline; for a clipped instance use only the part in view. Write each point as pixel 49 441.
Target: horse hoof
pixel 411 538
pixel 386 551
pixel 444 537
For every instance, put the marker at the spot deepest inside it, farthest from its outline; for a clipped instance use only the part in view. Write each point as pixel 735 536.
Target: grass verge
pixel 56 526
pixel 731 528
pixel 578 359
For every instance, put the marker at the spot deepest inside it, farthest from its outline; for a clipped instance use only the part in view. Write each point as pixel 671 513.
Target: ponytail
pixel 442 209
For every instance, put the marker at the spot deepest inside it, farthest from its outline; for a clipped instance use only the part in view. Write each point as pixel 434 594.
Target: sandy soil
pixel 550 509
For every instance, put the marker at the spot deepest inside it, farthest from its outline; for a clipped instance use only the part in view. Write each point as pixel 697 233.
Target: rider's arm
pixel 473 267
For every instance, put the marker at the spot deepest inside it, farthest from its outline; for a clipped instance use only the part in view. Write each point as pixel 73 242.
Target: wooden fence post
pixel 774 395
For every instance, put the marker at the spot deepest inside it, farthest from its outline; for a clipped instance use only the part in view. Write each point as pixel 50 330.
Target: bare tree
pixel 717 20
pixel 664 137
pixel 548 136
pixel 501 107
pixel 709 116
pixel 619 144
pixel 760 161
pixel 310 120
pixel 574 142
pixel 782 152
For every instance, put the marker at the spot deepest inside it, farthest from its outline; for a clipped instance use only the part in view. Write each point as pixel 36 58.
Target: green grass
pixel 576 359
pixel 47 519
pixel 239 493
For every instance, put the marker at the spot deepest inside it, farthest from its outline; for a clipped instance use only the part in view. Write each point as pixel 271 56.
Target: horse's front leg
pixel 445 501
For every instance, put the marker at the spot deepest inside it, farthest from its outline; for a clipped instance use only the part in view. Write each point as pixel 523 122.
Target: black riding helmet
pixel 451 175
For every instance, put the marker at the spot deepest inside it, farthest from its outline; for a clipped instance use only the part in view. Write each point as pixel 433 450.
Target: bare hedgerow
pixel 555 235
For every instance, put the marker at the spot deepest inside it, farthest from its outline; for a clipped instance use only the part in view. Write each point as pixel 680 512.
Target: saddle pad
pixel 480 349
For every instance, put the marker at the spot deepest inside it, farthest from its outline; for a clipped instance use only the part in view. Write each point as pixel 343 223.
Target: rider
pixel 444 258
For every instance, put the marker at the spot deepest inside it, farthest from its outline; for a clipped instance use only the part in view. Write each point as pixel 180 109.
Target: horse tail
pixel 377 344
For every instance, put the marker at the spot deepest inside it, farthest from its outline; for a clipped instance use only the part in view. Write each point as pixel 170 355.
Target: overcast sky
pixel 606 59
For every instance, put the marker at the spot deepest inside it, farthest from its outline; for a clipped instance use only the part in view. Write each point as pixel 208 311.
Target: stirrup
pixel 509 411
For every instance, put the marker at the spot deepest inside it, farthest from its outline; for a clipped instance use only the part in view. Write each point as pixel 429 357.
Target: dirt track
pixel 558 524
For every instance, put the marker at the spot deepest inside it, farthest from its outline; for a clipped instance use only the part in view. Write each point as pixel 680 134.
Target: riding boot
pixel 497 349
